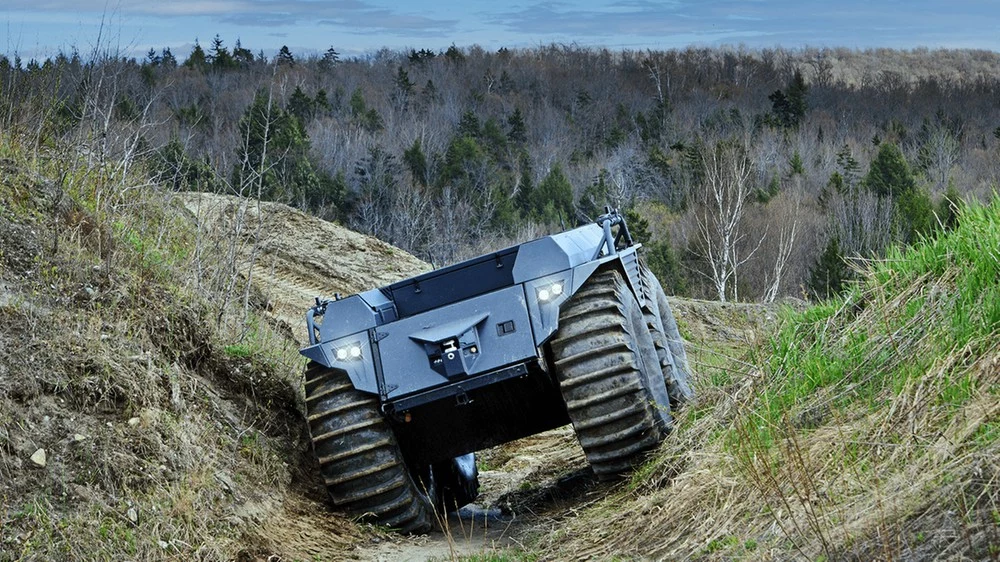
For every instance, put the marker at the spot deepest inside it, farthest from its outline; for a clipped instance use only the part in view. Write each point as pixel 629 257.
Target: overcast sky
pixel 40 28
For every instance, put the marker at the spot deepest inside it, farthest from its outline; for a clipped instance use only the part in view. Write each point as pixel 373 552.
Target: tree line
pixel 747 174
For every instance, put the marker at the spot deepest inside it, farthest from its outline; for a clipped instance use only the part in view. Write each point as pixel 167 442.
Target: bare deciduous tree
pixel 722 202
pixel 787 231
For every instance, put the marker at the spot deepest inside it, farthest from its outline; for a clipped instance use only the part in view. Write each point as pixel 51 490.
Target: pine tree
pixel 301 106
pixel 404 89
pixel 416 161
pixel 330 59
pixel 220 57
pixel 666 266
pixel 789 107
pixel 797 103
pixel 454 55
pixel 275 156
pixel 552 200
pixel 828 274
pixel 889 175
pixel 517 131
pixel 241 56
pixel 469 125
pixel 357 103
pixel 167 59
pixel 285 57
pixel 196 59
pixel 322 102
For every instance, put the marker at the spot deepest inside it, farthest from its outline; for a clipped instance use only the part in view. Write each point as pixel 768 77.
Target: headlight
pixel 351 351
pixel 549 292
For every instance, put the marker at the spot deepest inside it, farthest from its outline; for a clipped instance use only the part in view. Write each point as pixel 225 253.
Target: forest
pixel 747 174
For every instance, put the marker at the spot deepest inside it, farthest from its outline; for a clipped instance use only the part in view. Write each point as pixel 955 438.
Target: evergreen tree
pixel 552 200
pixel 275 157
pixel 416 161
pixel 850 169
pixel 914 215
pixel 517 132
pixel 322 102
pixel 797 93
pixel 454 55
pixel 285 57
pixel 220 57
pixel 462 159
pixel 638 226
pixel 404 88
pixel 889 175
pixel 830 272
pixel 788 108
pixel 666 266
pixel 421 57
pixel 357 103
pixel 595 197
pixel 167 59
pixel 494 139
pixel 469 125
pixel 525 186
pixel 330 59
pixel 196 59
pixel 242 57
pixel 795 165
pixel 301 106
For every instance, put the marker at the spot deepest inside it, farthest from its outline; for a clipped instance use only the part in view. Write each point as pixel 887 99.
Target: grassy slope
pixel 867 428
pixel 170 431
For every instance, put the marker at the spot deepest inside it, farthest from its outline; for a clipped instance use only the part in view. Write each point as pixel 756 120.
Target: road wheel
pixel 608 374
pixel 358 455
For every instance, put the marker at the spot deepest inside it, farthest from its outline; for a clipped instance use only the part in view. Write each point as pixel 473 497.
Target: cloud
pixel 354 16
pixel 636 18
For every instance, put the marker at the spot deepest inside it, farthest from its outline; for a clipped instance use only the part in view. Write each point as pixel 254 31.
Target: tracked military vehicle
pixel 405 382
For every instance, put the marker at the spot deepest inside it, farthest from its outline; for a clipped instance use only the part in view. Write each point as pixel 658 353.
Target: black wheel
pixel 358 455
pixel 670 346
pixel 608 374
pixel 458 481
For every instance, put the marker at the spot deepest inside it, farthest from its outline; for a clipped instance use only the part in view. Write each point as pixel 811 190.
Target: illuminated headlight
pixel 549 292
pixel 348 352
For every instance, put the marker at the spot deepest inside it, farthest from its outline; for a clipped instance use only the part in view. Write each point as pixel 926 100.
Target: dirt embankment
pixel 135 422
pixel 292 258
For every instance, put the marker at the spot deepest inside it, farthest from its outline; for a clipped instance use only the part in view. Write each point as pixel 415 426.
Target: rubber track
pixel 358 455
pixel 600 378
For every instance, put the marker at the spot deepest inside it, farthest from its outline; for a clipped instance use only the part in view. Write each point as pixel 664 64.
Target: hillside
pixel 149 404
pixel 150 401
pixel 866 429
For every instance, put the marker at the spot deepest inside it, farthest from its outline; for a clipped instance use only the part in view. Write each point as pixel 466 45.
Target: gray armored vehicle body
pixel 406 382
